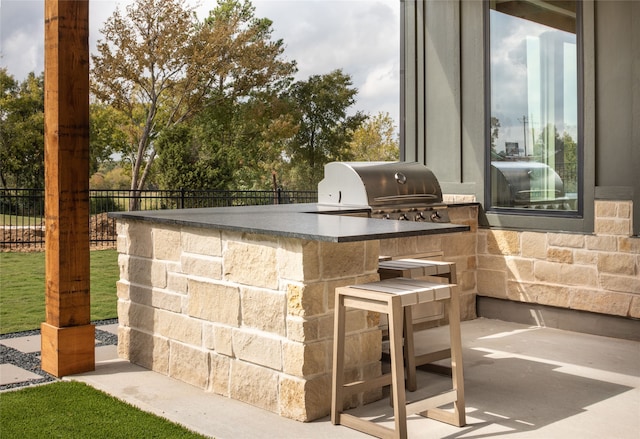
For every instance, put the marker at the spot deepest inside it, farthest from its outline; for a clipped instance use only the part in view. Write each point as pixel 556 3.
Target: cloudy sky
pixel 360 36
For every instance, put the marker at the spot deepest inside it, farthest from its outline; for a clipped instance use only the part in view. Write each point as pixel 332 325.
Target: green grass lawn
pixel 75 410
pixel 22 289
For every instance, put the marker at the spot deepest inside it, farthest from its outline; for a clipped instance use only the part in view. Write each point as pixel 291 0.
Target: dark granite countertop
pixel 305 221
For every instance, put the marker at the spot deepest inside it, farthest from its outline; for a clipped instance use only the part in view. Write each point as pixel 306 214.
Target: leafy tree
pixel 159 67
pixel 22 131
pixel 107 135
pixel 376 140
pixel 325 131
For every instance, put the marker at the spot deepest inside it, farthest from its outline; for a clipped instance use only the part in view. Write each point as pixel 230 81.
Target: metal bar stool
pixel 392 297
pixel 418 269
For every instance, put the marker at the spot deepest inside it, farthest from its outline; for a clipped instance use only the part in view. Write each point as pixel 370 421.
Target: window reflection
pixel 534 104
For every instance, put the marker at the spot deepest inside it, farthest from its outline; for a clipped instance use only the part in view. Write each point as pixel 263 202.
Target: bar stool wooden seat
pixel 392 297
pixel 418 269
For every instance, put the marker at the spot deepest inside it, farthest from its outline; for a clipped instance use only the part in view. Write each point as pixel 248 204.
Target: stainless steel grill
pixel 405 191
pixel 527 185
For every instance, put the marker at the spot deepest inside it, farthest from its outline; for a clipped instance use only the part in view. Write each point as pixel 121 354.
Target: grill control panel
pixel 434 215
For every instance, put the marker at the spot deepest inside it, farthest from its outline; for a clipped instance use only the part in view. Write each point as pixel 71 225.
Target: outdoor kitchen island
pixel 239 300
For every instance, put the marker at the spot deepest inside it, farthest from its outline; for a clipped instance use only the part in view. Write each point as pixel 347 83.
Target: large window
pixel 534 126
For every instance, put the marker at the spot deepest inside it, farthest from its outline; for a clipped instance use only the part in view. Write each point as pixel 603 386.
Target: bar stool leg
pixel 456 358
pixel 409 350
pixel 337 393
pixel 396 319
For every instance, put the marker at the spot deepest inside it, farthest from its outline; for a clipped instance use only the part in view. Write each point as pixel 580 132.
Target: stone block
pixel 208 336
pixel 602 243
pixel 166 244
pixel 426 244
pixel 519 269
pixel 573 240
pixel 205 242
pixel 257 348
pixel 223 340
pixel 623 284
pixel 605 209
pixel 607 226
pixel 325 327
pixel 585 257
pixel 189 364
pixel 141 317
pixel 565 274
pixel 302 330
pixel 611 303
pixel 458 244
pixel 543 294
pixel 468 307
pixel 306 300
pixel 177 282
pixel 634 308
pixel 556 254
pixel 122 290
pixel 624 209
pixel 617 263
pixel 492 262
pixel 305 400
pixel 203 266
pixel 306 360
pixel 219 375
pixel 254 385
pixel 371 346
pixel 629 244
pixel 264 310
pixel 503 242
pixel 148 351
pixel 371 256
pixel 298 260
pixel 482 246
pixel 214 302
pixel 178 327
pixel 341 259
pixel 492 283
pixel 534 245
pixel 142 244
pixel 154 297
pixel 251 264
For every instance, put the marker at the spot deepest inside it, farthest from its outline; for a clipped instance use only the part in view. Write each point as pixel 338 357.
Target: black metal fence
pixel 22 210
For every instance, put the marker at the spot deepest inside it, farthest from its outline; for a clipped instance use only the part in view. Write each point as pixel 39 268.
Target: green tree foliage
pixel 325 130
pixel 22 131
pixel 107 134
pixel 160 67
pixel 376 140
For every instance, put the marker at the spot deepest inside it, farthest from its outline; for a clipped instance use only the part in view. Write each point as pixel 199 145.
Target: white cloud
pixel 359 36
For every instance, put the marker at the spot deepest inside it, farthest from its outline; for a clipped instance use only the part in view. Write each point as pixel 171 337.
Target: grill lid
pixel 378 184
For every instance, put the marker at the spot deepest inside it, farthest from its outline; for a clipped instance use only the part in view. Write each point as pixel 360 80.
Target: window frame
pixel 581 219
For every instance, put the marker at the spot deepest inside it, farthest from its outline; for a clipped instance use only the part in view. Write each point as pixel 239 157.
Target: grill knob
pixel 435 216
pixel 420 217
pixel 403 217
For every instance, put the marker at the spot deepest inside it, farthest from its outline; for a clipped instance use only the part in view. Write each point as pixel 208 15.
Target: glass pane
pixel 534 104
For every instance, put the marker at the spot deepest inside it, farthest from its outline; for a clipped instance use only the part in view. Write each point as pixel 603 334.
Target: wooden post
pixel 68 337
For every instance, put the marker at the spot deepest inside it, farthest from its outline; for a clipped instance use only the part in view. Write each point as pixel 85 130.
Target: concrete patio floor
pixel 520 382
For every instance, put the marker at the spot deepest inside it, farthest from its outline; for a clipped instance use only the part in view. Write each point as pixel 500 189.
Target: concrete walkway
pixel 520 382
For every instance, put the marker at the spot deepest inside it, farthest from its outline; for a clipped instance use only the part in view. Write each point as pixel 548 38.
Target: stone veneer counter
pixel 239 301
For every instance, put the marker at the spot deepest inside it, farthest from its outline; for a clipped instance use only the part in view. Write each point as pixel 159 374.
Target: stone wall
pixel 245 316
pixel 597 272
pixel 456 247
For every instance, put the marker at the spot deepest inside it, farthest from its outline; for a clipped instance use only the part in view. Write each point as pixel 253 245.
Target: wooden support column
pixel 68 337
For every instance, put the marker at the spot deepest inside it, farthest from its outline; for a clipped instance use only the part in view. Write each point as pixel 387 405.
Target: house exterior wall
pixel 588 263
